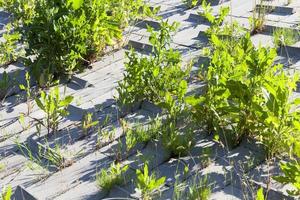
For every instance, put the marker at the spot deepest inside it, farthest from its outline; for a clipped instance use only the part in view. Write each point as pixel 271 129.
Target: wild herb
pixel 107 178
pixel 151 78
pixel 8 47
pixel 63 36
pixel 143 133
pixel 242 85
pixel 285 37
pixel 148 184
pixel 55 108
pixel 291 172
pixel 27 89
pixel 88 123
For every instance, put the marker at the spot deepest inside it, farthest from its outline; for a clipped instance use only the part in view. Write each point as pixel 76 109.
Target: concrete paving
pixel 94 91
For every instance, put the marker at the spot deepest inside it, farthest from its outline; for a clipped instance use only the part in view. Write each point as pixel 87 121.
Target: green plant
pixel 148 184
pixel 151 78
pixel 242 86
pixel 8 83
pixel 190 3
pixel 143 133
pixel 8 47
pixel 291 172
pixel 107 178
pixel 178 142
pixel 260 194
pixel 6 193
pixel 199 192
pixel 55 156
pixel 63 36
pixel 55 108
pixel 195 190
pixel 215 21
pixel 284 37
pixel 260 11
pixel 87 123
pixel 27 89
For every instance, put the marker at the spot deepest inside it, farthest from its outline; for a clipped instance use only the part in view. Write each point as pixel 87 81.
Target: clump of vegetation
pixel 285 37
pixel 8 47
pixel 151 78
pixel 63 36
pixel 291 172
pixel 6 193
pixel 148 185
pixel 246 94
pixel 55 108
pixel 143 133
pixel 196 190
pixel 260 11
pixel 177 141
pixel 107 178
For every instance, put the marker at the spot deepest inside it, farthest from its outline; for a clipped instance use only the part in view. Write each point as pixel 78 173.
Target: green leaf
pixel 22 87
pixel 194 101
pixel 260 194
pixel 40 104
pixel 76 4
pixel 66 101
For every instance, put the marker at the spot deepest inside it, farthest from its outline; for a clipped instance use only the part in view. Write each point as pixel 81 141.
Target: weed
pixel 150 78
pixel 148 184
pixel 285 37
pixel 87 123
pixel 178 143
pixel 260 194
pixel 197 190
pixel 54 107
pixel 27 89
pixel 8 52
pixel 190 3
pixel 240 93
pixel 140 133
pixel 107 178
pixel 257 21
pixel 215 21
pixel 291 172
pixel 6 193
pixel 64 36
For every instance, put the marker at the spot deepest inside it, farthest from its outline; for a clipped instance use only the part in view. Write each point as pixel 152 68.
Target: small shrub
pixel 148 184
pixel 246 94
pixel 107 178
pixel 55 108
pixel 63 36
pixel 150 78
